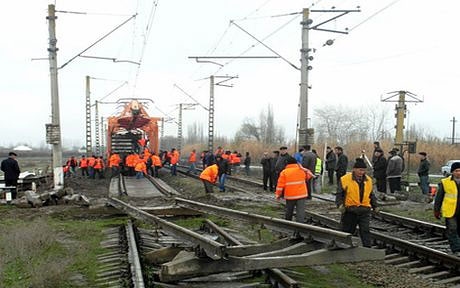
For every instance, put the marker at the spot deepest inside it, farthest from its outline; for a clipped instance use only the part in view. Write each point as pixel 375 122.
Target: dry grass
pixel 31 256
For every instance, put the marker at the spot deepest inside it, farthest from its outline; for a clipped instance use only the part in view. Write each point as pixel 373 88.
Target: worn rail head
pixel 317 233
pixel 213 249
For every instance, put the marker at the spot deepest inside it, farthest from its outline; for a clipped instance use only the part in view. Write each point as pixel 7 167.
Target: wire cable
pixel 373 15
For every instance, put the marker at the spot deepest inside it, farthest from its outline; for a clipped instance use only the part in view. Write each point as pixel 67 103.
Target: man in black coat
pixel 309 162
pixel 342 163
pixel 380 167
pixel 331 160
pixel 10 167
pixel 266 163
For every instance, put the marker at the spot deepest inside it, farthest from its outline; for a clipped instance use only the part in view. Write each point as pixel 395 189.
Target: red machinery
pixel 133 124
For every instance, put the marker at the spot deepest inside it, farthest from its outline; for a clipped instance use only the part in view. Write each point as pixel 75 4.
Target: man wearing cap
pixel 355 200
pixel 281 162
pixel 10 167
pixel 446 204
pixel 394 171
pixel 379 163
pixel 422 171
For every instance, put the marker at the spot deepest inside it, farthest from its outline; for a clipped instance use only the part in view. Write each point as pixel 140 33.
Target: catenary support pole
pixel 89 148
pixel 211 115
pixel 55 138
pixel 96 129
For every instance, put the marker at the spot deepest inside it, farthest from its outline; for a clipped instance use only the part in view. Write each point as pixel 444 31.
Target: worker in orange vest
pixel 235 160
pixel 140 168
pixel 173 161
pixel 83 164
pixel 209 177
pixel 156 164
pixel 114 164
pixel 192 162
pixel 292 187
pixel 91 161
pixel 99 167
pixel 130 162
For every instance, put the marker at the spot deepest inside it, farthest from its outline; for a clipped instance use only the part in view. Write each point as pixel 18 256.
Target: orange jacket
pixel 114 160
pixel 147 153
pixel 210 173
pixel 140 167
pixel 131 160
pixel 292 182
pixel 91 161
pixel 98 163
pixel 226 156
pixel 156 161
pixel 84 162
pixel 234 159
pixel 192 157
pixel 142 142
pixel 174 157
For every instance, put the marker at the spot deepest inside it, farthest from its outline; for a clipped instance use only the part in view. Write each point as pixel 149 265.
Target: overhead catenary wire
pixel 146 35
pixel 191 97
pixel 98 40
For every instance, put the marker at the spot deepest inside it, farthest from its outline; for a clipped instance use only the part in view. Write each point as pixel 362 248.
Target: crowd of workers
pixel 294 178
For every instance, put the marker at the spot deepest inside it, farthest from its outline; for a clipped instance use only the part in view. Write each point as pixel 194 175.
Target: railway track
pixel 230 255
pixel 418 246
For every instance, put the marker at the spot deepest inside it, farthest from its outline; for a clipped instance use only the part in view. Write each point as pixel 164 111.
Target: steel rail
pixel 441 258
pixel 411 223
pixel 133 257
pixel 213 249
pixel 320 234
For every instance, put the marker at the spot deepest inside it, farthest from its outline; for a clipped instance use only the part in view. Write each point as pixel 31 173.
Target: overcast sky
pixel 410 45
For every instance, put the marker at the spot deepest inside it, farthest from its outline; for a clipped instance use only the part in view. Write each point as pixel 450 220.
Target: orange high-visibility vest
pixel 91 161
pixel 140 167
pixel 83 162
pixel 225 156
pixel 98 163
pixel 292 182
pixel 156 161
pixel 114 160
pixel 192 157
pixel 210 173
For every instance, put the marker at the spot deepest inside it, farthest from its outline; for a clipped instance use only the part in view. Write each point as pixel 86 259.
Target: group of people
pixel 390 170
pixel 217 165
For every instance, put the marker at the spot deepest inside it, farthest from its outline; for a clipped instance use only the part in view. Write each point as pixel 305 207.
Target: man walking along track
pixel 355 199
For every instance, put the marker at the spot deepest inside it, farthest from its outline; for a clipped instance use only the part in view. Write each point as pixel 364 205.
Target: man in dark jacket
pixel 331 160
pixel 422 171
pixel 309 162
pixel 376 147
pixel 281 162
pixel 274 160
pixel 342 163
pixel 394 171
pixel 380 167
pixel 266 163
pixel 10 167
pixel 223 171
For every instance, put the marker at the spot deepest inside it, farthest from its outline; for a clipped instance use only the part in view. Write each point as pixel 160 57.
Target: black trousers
pixel 395 184
pixel 357 216
pixel 309 184
pixel 299 205
pixel 268 178
pixel 12 183
pixel 453 232
pixel 381 184
pixel 339 175
pixel 208 186
pixel 330 175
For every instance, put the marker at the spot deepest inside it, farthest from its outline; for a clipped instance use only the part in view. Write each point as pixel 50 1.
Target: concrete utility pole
pixel 54 129
pixel 306 134
pixel 453 130
pixel 89 146
pixel 182 106
pixel 400 97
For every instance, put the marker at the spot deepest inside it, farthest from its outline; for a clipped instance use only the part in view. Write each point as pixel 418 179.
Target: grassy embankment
pixel 49 251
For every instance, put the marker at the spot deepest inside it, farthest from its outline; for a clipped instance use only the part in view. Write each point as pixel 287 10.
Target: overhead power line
pixel 191 97
pixel 97 41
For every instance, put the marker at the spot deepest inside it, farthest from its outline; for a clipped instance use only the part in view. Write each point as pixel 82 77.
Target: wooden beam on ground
pixel 193 267
pixel 226 236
